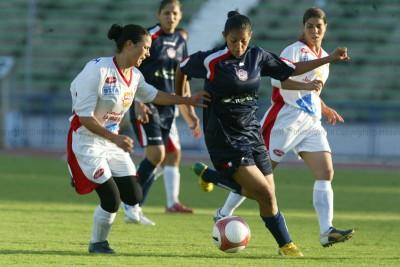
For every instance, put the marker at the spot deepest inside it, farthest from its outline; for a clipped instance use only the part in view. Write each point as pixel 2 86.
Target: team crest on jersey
pixel 171 52
pixel 242 74
pixel 127 99
pixel 111 79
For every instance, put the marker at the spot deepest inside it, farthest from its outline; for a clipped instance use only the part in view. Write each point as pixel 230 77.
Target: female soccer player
pixel 232 132
pixel 98 157
pixel 294 123
pixel 152 123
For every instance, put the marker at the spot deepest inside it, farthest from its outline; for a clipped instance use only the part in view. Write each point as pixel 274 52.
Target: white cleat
pixel 135 215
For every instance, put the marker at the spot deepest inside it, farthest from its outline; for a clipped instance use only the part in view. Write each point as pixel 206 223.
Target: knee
pixel 265 196
pixel 111 203
pixel 131 192
pixel 327 174
pixel 156 156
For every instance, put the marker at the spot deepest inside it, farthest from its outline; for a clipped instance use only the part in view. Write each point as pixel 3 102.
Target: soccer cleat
pixel 333 236
pixel 290 250
pixel 100 247
pixel 178 208
pixel 218 215
pixel 199 168
pixel 135 215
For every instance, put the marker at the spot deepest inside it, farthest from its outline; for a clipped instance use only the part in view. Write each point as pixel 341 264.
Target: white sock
pixel 102 221
pixel 323 204
pixel 232 202
pixel 172 179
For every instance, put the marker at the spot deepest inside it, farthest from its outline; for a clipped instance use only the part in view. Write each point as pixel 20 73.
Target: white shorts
pixel 173 143
pixel 287 128
pixel 100 159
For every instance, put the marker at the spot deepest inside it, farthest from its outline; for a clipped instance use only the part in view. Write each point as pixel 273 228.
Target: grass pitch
pixel 43 222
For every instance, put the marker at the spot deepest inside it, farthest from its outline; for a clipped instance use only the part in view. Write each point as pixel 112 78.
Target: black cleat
pixel 101 248
pixel 333 236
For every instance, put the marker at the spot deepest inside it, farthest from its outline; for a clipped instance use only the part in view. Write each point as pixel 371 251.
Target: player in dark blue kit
pixel 152 123
pixel 232 131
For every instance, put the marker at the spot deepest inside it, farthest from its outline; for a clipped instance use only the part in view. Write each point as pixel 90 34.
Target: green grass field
pixel 44 222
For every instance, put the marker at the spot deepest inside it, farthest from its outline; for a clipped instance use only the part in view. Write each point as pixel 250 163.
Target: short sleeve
pixel 275 67
pixel 193 66
pixel 145 92
pixel 85 90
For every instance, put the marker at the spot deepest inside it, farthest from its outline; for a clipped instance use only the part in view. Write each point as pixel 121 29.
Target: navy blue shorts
pixel 227 162
pixel 150 133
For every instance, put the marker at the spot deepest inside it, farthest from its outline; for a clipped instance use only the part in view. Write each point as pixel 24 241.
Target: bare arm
pixel 189 115
pixel 95 127
pixel 180 82
pixel 303 67
pixel 289 84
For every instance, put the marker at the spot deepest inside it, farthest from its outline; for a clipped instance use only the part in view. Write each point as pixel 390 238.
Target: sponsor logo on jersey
pixel 171 52
pixel 110 90
pixel 111 80
pixel 242 74
pixel 113 116
pixel 98 173
pixel 278 152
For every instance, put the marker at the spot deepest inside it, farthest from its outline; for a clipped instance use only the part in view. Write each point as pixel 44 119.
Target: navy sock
pixel 212 176
pixel 146 176
pixel 277 226
pixel 146 188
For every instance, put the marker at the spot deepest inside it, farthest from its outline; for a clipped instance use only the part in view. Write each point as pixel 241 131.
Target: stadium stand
pixel 66 34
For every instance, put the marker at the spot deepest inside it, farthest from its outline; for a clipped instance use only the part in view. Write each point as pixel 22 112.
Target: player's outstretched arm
pixel 340 54
pixel 289 84
pixel 197 100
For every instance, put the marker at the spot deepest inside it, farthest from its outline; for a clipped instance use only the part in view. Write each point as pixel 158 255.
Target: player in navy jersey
pixel 232 132
pixel 152 123
pixel 282 131
pixel 98 156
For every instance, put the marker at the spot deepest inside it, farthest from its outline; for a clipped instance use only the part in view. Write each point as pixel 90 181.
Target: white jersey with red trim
pixel 305 100
pixel 102 91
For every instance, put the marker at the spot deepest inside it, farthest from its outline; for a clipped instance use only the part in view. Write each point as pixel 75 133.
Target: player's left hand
pixel 340 54
pixel 142 112
pixel 331 115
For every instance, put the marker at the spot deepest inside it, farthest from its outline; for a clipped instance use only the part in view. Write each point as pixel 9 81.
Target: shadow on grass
pixel 171 255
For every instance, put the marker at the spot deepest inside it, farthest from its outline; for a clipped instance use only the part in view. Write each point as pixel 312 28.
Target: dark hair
pixel 236 21
pixel 167 2
pixel 314 12
pixel 121 34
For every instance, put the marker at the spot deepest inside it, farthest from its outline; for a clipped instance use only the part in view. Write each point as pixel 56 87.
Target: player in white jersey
pixel 293 122
pixel 98 157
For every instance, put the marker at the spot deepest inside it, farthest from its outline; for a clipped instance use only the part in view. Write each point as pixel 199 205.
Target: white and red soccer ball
pixel 231 234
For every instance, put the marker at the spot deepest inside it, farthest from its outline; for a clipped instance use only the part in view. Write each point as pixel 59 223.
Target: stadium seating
pixel 371 75
pixel 66 34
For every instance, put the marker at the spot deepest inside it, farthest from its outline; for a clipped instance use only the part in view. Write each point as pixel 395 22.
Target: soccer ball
pixel 231 234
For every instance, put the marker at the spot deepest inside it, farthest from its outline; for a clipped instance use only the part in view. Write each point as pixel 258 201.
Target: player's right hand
pixel 199 99
pixel 315 85
pixel 124 142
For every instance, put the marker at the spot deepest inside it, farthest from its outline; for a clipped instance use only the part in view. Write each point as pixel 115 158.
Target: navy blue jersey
pixel 166 51
pixel 230 122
